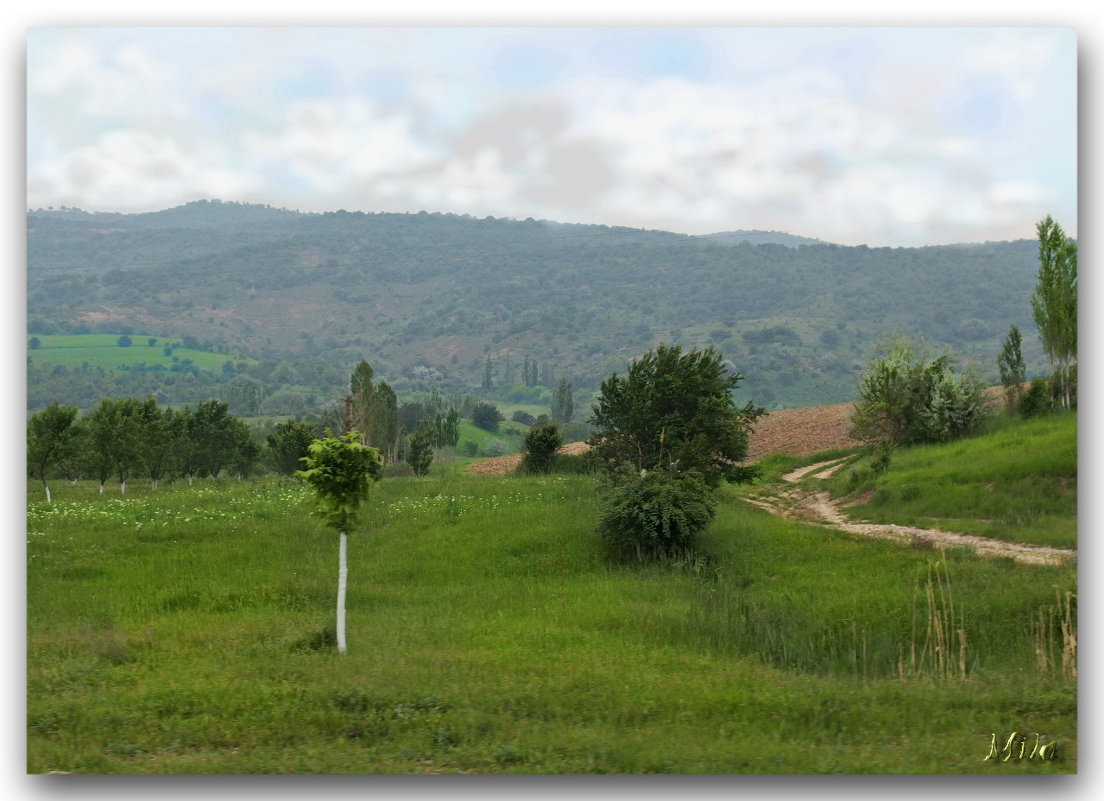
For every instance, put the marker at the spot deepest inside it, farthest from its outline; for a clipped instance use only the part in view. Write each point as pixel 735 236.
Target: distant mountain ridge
pixel 428 298
pixel 762 238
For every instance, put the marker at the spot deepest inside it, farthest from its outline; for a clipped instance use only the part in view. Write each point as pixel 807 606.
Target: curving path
pixel 819 507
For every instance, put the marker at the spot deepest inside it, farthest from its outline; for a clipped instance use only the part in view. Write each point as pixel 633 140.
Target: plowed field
pixel 798 432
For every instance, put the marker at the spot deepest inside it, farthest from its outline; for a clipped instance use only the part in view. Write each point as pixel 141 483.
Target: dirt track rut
pixel 806 504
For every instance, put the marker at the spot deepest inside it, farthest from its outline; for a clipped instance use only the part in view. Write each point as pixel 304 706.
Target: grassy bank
pixel 190 631
pixel 1016 482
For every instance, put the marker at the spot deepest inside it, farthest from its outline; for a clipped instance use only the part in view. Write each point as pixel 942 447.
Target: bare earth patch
pixel 795 432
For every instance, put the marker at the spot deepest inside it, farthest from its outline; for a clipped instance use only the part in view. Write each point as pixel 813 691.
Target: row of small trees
pixel 128 437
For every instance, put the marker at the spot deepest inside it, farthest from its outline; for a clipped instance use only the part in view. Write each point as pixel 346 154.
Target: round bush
pixel 657 513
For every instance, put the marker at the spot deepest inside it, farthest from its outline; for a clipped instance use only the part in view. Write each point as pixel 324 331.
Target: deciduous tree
pixel 487 416
pixel 1013 373
pixel 1054 306
pixel 117 436
pixel 674 411
pixel 419 451
pixel 49 441
pixel 341 471
pixel 541 443
pixel 288 443
pixel 906 395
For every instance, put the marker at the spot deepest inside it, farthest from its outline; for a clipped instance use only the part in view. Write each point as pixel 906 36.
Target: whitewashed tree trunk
pixel 47 488
pixel 122 487
pixel 342 577
pixel 101 488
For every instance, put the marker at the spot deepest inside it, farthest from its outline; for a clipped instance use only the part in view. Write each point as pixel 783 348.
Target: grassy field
pixel 102 350
pixel 507 442
pixel 190 631
pixel 1016 482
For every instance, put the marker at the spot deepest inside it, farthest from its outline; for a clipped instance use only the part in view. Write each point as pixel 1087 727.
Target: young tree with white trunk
pixel 49 441
pixel 115 432
pixel 341 471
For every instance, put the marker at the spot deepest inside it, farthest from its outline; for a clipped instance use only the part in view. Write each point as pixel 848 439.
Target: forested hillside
pixel 293 300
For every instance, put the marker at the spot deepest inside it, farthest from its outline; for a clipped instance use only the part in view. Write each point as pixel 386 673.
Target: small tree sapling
pixel 340 471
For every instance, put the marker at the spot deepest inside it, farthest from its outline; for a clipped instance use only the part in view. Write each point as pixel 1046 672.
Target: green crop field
pixel 190 630
pixel 102 350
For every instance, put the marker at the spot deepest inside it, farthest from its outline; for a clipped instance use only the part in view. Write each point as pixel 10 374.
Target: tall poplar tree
pixel 563 404
pixel 1013 373
pixel 1054 306
pixel 375 412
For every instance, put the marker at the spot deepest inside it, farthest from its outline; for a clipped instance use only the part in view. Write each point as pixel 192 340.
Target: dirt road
pixel 806 503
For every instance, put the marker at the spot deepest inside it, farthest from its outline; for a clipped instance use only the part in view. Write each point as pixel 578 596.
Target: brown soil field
pixel 795 432
pixel 798 432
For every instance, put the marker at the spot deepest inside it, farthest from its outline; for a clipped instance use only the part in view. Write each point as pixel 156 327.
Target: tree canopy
pixel 1054 305
pixel 907 395
pixel 340 470
pixel 674 411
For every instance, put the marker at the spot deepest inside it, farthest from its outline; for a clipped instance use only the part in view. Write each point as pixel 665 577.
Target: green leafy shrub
pixel 541 444
pixel 907 396
pixel 487 416
pixel 419 453
pixel 1036 401
pixel 523 417
pixel 656 513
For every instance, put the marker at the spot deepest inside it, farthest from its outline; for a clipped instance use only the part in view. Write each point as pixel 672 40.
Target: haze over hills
pixel 428 298
pixel 762 238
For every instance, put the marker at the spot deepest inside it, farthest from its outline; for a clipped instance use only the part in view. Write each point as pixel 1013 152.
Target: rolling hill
pixel 429 298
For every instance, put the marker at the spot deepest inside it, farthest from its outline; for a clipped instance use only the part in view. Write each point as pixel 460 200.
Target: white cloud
pixel 334 145
pixel 879 146
pixel 127 170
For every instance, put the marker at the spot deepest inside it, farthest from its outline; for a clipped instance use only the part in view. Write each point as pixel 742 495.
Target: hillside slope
pixel 427 298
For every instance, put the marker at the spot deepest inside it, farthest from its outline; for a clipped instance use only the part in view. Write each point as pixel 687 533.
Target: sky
pixel 887 136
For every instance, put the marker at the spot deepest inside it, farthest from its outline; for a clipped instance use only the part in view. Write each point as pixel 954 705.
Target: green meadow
pixel 190 630
pixel 102 350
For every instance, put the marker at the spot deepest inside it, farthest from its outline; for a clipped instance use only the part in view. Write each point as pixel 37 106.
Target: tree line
pixel 128 438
